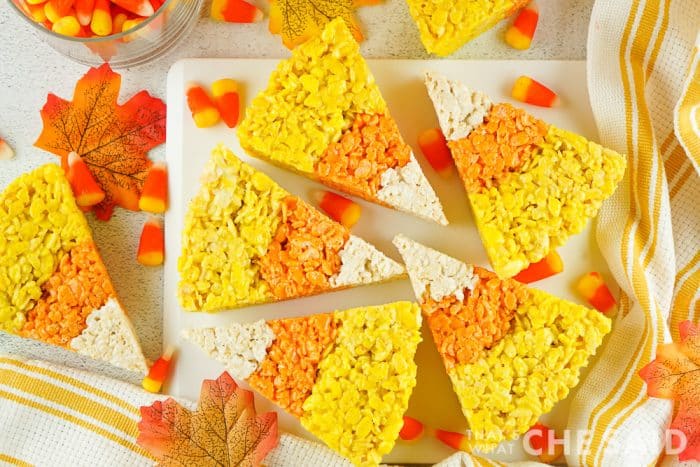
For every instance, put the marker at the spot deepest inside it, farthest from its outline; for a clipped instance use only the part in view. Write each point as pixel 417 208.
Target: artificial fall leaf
pixel 299 20
pixel 112 139
pixel 224 430
pixel 675 374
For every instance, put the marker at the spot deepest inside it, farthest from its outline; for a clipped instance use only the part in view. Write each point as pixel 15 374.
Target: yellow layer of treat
pixel 505 391
pixel 446 25
pixel 311 99
pixel 40 223
pixel 228 227
pixel 550 198
pixel 357 404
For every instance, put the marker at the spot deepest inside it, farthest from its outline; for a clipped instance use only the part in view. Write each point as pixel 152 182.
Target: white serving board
pixel 433 401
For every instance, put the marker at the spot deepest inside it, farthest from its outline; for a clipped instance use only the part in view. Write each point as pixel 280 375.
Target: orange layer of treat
pixel 304 252
pixel 355 164
pixel 79 287
pixel 288 373
pixel 497 147
pixel 462 329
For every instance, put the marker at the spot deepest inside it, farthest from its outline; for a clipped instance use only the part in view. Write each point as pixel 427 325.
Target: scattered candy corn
pixel 434 147
pixel 6 151
pixel 67 26
pixel 235 11
pixel 159 372
pixel 204 111
pixel 87 191
pixel 83 11
pixel 541 439
pixel 592 287
pixel 519 35
pixel 533 92
pixel 338 208
pixel 412 429
pixel 154 195
pixel 152 243
pixel 459 441
pixel 225 92
pixel 138 7
pixel 101 23
pixel 546 267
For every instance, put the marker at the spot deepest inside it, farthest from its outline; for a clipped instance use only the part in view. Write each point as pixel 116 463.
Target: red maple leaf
pixel 112 139
pixel 224 430
pixel 675 375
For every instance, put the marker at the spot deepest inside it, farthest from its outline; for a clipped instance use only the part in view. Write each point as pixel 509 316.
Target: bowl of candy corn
pixel 122 32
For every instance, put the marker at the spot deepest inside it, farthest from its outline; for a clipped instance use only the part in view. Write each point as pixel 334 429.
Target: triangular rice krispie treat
pixel 347 375
pixel 510 351
pixel 446 25
pixel 53 284
pixel 324 117
pixel 246 241
pixel 531 185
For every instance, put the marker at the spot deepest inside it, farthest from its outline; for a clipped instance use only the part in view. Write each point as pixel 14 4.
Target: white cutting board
pixel 433 401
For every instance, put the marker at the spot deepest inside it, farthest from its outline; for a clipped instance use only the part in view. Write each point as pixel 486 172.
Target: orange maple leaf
pixel 224 430
pixel 112 139
pixel 675 374
pixel 299 20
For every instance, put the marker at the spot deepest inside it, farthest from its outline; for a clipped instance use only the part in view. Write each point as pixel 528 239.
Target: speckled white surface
pixel 29 70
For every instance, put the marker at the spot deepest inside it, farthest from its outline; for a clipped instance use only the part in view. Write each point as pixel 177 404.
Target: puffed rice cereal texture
pixel 446 25
pixel 361 393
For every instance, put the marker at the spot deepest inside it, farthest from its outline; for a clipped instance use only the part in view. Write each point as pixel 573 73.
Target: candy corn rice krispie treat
pixel 324 117
pixel 531 185
pixel 446 25
pixel 53 284
pixel 246 241
pixel 510 351
pixel 346 375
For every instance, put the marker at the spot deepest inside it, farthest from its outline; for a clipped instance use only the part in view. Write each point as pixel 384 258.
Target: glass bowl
pixel 150 39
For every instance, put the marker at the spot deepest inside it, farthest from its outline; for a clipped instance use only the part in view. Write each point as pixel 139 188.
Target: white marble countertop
pixel 29 70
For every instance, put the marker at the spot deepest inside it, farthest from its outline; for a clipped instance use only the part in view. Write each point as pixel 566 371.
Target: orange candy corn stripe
pixel 83 11
pixel 138 7
pixel 227 99
pixel 434 147
pixel 152 243
pixel 235 11
pixel 204 111
pixel 546 267
pixel 339 208
pixel 412 429
pixel 520 34
pixel 526 89
pixel 458 441
pixel 592 287
pixel 159 372
pixel 541 439
pixel 154 195
pixel 85 188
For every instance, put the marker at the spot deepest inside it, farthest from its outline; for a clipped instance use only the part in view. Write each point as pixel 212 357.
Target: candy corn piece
pixel 154 195
pixel 51 12
pixel 533 92
pixel 459 441
pixel 159 372
pixel 101 23
pixel 138 7
pixel 594 290
pixel 519 35
pixel 434 147
pixel 118 22
pixel 546 267
pixel 87 191
pixel 225 92
pixel 6 151
pixel 541 439
pixel 83 11
pixel 62 7
pixel 338 208
pixel 152 243
pixel 412 429
pixel 67 26
pixel 235 11
pixel 204 111
pixel 36 12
